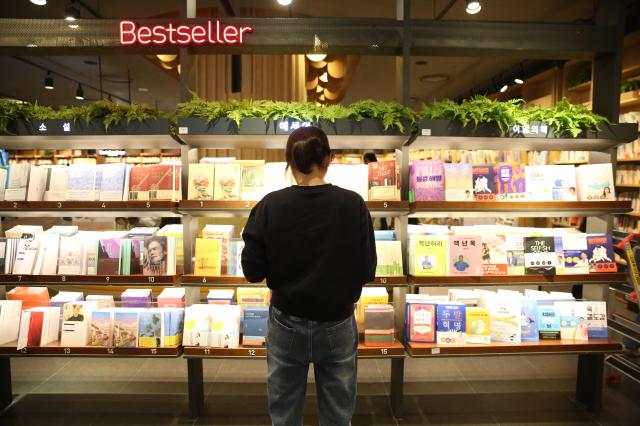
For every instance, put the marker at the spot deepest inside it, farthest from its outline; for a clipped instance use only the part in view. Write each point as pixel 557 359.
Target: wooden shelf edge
pixel 90 351
pixel 88 205
pixel 595 278
pixel 88 279
pixel 517 205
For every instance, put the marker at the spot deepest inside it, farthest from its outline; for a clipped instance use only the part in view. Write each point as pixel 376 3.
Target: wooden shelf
pixel 631 98
pixel 580 87
pixel 633 214
pixel 88 208
pixel 627 186
pixel 500 348
pixel 393 351
pixel 229 281
pixel 595 278
pixel 120 280
pixel 390 281
pixel 54 349
pixel 628 160
pixel 517 209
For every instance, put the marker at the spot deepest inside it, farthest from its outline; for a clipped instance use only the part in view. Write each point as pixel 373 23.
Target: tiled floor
pixel 524 390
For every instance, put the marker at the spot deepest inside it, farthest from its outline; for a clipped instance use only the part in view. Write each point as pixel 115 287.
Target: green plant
pixel 565 117
pixel 9 111
pixel 629 85
pixel 392 114
pixel 579 76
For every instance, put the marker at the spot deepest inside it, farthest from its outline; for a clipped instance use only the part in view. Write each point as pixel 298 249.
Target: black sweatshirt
pixel 316 248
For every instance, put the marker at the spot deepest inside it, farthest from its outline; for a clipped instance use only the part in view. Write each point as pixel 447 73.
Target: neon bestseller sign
pixel 211 33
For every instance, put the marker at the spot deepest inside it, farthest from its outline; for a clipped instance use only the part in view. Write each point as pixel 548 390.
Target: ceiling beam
pixel 354 36
pixel 445 9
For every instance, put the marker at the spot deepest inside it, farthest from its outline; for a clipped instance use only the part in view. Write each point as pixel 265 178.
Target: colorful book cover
pixel 252 187
pixel 559 250
pixel 149 329
pixel 538 181
pixel 597 320
pixel 208 257
pixel 173 324
pixel 139 183
pixel 510 182
pixel 429 255
pixel 227 182
pixel 112 181
pixel 35 328
pixel 70 256
pixel 458 182
pixel 255 325
pixel 548 322
pixel 530 320
pixel 201 178
pixel 494 255
pixel 162 184
pixel 576 253
pixel 369 296
pixel 484 184
pixel 601 257
pixel 514 245
pixel 595 182
pixel 125 329
pixel 421 322
pixel 506 319
pixel 564 183
pixel 539 256
pixel 451 323
pixel 573 320
pixel 101 329
pixel 378 325
pixel 154 255
pixel 109 251
pixel 383 181
pixel 478 325
pixel 465 255
pixel 426 180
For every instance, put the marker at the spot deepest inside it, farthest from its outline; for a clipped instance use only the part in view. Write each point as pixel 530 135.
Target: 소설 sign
pixel 213 32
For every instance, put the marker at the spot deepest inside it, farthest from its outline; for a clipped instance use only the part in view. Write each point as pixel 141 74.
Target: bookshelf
pixel 93 280
pixel 89 208
pixel 90 351
pixel 229 281
pixel 518 280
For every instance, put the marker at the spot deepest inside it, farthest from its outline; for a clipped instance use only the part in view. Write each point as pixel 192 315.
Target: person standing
pixel 314 244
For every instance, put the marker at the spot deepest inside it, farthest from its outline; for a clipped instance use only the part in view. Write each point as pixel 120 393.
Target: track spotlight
pixel 79 93
pixel 473 7
pixel 71 13
pixel 39 2
pixel 518 80
pixel 48 81
pixel 284 2
pixel 504 88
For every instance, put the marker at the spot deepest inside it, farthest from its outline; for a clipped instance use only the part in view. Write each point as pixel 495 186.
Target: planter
pixel 80 127
pixel 286 126
pixel 342 126
pixel 200 126
pixel 374 126
pixel 146 127
pixel 253 126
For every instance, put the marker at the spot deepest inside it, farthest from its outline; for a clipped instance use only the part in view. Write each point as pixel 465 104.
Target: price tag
pixel 384 351
pixel 252 352
pixel 435 351
pixel 67 351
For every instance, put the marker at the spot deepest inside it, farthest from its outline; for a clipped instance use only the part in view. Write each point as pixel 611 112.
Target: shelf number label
pixel 247 204
pixel 63 278
pixel 385 204
pixel 110 351
pixel 252 352
pixel 19 277
pixel 103 205
pixel 148 205
pixel 23 350
pixel 201 203
pixel 107 279
pixel 383 280
pixel 59 205
pixel 384 351
pixel 67 351
pixel 15 205
pixel 154 351
pixel 435 351
pixel 207 351
pixel 204 279
pixel 152 279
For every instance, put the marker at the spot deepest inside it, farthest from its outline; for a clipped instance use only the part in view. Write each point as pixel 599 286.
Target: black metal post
pixel 397 387
pixel 6 393
pixel 589 381
pixel 195 381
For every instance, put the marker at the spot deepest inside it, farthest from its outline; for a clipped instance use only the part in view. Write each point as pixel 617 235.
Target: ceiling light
pixel 316 57
pixel 319 89
pixel 473 7
pixel 73 26
pixel 167 58
pixel 433 78
pixel 321 98
pixel 71 13
pixel 79 93
pixel 284 2
pixel 48 81
pixel 504 88
pixel 518 80
pixel 324 77
pixel 32 45
pixel 39 2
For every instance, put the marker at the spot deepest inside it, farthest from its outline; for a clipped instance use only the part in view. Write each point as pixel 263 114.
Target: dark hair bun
pixel 307 146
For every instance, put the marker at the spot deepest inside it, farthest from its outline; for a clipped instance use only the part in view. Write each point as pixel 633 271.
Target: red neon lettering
pixel 244 30
pixel 170 30
pixel 130 31
pixel 183 31
pixel 158 32
pixel 198 31
pixel 144 35
pixel 218 32
pixel 230 35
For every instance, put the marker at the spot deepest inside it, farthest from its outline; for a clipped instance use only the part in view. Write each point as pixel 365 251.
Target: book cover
pixel 208 257
pixel 510 182
pixel 597 320
pixel 139 183
pixel 514 245
pixel 564 183
pixel 465 255
pixel 252 186
pixel 539 256
pixel 369 296
pixel 76 323
pixel 428 255
pixel 56 187
pixel 601 257
pixel 197 326
pixel 353 177
pixel 125 329
pixel 10 312
pixel 225 327
pixel 451 323
pixel 227 182
pixel 276 177
pixel 81 182
pixel 149 328
pixel 548 322
pixel 573 320
pixel 383 181
pixel 505 318
pixel 26 256
pixel 559 252
pixel 173 325
pixel 36 323
pixel 538 181
pixel 478 325
pixel 494 255
pixel 255 325
pixel 530 320
pixel 154 255
pixel 458 182
pixel 421 322
pixel 101 329
pixel 576 253
pixel 201 178
pixel 109 251
pixel 595 182
pixel 112 182
pixel 220 296
pixel 426 180
pixel 37 183
pixel 17 182
pixel 484 184
pixel 162 184
pixel 378 325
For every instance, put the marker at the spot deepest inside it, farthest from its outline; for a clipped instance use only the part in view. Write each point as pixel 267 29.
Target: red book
pixel 384 182
pixel 35 328
pixel 139 183
pixel 421 322
pixel 162 181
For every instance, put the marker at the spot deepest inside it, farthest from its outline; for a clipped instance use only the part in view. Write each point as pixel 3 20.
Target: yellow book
pixel 428 255
pixel 201 180
pixel 370 296
pixel 227 182
pixel 252 296
pixel 478 326
pixel 208 257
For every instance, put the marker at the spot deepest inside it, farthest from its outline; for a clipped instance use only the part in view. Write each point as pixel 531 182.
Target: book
pixel 548 322
pixel 101 328
pixel 510 182
pixel 76 323
pixel 484 184
pixel 514 246
pixel 201 179
pixel 530 320
pixel 164 182
pixel 10 312
pixel 428 255
pixel 47 259
pixel 125 328
pixel 3 180
pixel 220 296
pixel 197 325
pixel 31 297
pixel 17 182
pixel 573 320
pixel 56 186
pixel 112 181
pixel 252 179
pixel 156 255
pixel 102 300
pixel 426 180
pixel 81 182
pixel 494 256
pixel 378 325
pixel 276 177
pixel 225 326
pixel 208 259
pixel 538 181
pixel 564 183
pixel 576 253
pixel 595 182
pixel 369 296
pixel 458 182
pixel 139 183
pixel 172 326
pixel 465 255
pixel 539 256
pixel 450 323
pixel 26 256
pixel 478 325
pixel 421 322
pixel 171 297
pixel 384 181
pixel 227 182
pixel 559 253
pixel 37 183
pixel 597 319
pixel 601 257
pixel 255 325
pixel 174 231
pixel 150 328
pixel 505 318
pixel 136 298
pixel 353 177
pixel 109 252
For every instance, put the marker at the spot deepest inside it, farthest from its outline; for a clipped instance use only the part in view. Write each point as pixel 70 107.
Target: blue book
pixel 529 320
pixel 255 325
pixel 385 235
pixel 597 320
pixel 112 181
pixel 548 322
pixel 451 323
pixel 150 329
pixel 173 325
pixel 81 182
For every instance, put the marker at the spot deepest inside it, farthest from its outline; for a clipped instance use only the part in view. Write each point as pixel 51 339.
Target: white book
pixel 47 260
pixel 81 182
pixel 20 231
pixel 56 188
pixel 127 175
pixel 103 300
pixel 171 255
pixel 10 312
pixel 564 183
pixel 17 182
pixel 112 181
pixel 573 320
pixel 76 323
pixel 23 332
pixel 62 230
pixel 197 320
pixel 71 253
pixel 26 256
pixel 3 181
pixel 539 183
pixel 354 177
pixel 276 177
pixel 225 326
pixel 505 318
pixel 595 182
pixel 37 183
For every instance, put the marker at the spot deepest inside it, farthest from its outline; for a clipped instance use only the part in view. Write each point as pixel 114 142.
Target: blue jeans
pixel 292 344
